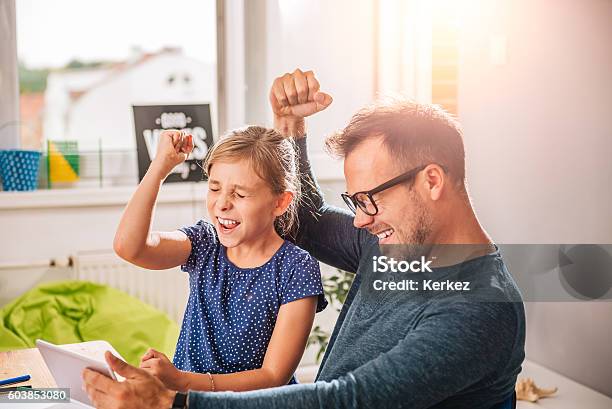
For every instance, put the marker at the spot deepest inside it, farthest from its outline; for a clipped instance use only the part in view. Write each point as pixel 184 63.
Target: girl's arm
pixel 133 241
pixel 283 355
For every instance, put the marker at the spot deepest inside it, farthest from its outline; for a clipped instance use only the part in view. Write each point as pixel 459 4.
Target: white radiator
pixel 166 290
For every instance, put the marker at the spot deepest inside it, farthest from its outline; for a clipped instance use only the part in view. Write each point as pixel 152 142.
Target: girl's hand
pixel 158 365
pixel 173 148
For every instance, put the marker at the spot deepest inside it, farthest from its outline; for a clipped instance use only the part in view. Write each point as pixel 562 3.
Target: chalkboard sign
pixel 151 120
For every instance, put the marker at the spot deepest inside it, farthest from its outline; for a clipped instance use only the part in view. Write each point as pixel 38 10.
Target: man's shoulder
pixel 488 293
pixel 489 280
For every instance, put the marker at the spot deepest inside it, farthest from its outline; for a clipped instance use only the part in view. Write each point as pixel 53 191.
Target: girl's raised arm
pixel 134 242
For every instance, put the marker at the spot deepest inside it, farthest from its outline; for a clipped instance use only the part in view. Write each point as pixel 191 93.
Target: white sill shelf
pixel 96 197
pixel 571 394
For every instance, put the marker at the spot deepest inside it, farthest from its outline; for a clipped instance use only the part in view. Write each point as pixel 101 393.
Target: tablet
pixel 67 367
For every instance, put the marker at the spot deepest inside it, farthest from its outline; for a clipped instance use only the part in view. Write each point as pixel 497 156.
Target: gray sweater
pixel 398 349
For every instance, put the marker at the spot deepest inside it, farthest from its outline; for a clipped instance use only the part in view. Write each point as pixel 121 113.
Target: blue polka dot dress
pixel 231 311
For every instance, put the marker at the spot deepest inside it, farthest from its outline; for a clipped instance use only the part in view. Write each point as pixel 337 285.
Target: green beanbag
pixel 76 311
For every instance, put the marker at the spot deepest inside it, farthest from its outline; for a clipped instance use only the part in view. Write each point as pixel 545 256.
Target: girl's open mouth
pixel 227 225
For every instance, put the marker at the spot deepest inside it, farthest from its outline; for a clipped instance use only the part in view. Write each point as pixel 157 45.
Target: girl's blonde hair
pixel 274 160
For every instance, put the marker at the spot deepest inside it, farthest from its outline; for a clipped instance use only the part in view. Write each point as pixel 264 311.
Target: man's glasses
pixel 365 200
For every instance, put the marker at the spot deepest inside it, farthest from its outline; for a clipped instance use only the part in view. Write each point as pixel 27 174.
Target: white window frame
pixel 231 85
pixel 9 77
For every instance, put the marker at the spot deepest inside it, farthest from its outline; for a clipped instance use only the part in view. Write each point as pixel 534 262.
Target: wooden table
pixel 22 362
pixel 26 361
pixel 571 395
pixel 30 362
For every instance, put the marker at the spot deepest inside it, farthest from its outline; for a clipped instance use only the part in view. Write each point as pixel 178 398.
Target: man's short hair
pixel 415 134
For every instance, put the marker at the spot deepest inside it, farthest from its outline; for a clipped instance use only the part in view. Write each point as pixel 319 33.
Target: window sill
pixel 97 197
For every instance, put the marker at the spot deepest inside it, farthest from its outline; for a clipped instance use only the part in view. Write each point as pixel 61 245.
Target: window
pixel 83 65
pixel 444 56
pixel 417 50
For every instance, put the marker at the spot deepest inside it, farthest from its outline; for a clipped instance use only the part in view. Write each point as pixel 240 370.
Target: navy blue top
pixel 231 311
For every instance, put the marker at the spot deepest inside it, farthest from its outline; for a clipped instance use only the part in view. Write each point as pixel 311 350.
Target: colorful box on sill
pixel 63 161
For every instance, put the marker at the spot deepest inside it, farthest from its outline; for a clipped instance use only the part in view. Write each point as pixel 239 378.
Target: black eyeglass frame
pixel 353 203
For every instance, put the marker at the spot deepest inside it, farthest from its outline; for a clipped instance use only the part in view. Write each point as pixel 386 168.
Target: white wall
pixel 537 128
pixel 58 223
pixel 538 137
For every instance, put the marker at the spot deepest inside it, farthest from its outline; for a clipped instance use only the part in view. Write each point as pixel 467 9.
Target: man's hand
pixel 173 148
pixel 139 390
pixel 157 364
pixel 294 97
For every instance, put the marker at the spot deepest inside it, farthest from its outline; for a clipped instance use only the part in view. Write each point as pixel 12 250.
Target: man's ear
pixel 282 202
pixel 435 181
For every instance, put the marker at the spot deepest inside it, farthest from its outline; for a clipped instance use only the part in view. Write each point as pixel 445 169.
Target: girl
pixel 253 295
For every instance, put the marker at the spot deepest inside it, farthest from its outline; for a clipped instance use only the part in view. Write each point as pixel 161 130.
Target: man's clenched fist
pixel 293 97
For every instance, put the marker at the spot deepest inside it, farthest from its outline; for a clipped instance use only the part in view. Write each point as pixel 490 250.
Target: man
pixel 453 338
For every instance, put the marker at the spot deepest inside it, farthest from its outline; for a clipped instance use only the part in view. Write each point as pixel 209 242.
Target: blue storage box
pixel 19 169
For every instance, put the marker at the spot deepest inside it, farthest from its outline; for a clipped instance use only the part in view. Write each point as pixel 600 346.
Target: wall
pixel 44 224
pixel 538 139
pixel 538 126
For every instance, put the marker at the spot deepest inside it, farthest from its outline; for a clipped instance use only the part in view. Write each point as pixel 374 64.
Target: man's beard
pixel 414 242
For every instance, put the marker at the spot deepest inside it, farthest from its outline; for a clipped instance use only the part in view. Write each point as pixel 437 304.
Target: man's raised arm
pixel 325 231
